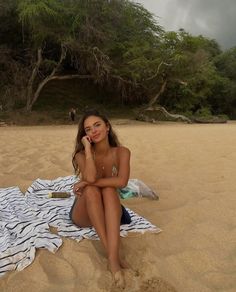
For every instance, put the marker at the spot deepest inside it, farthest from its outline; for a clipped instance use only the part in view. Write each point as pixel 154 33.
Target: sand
pixel 193 169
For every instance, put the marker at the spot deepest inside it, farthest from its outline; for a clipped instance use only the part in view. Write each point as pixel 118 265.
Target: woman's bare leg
pixel 112 210
pixel 89 211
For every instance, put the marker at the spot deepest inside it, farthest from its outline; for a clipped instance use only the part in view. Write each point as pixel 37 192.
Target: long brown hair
pixel 112 137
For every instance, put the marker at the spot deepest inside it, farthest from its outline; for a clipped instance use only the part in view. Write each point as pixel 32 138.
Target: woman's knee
pixel 92 193
pixel 110 193
pixel 109 190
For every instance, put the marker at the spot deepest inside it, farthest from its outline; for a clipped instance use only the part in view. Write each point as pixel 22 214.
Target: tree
pixel 191 77
pixel 42 21
pixel 119 46
pixel 13 70
pixel 225 99
pixel 226 63
pixel 113 56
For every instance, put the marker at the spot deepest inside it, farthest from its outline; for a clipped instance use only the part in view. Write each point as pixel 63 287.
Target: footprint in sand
pixel 155 285
pixel 56 267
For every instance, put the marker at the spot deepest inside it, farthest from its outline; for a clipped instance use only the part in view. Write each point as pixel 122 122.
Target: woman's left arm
pixel 121 180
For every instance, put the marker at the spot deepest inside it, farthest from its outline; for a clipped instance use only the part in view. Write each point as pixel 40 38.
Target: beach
pixel 192 168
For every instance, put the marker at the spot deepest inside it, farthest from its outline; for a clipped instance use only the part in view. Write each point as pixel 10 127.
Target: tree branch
pixel 158 68
pixel 162 89
pixel 31 101
pixel 32 78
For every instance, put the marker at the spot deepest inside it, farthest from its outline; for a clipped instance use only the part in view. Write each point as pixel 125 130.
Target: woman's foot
pixel 124 264
pixel 115 269
pixel 119 279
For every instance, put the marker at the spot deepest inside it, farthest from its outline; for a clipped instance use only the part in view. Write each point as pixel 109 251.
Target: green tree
pixel 109 42
pixel 225 99
pixel 119 46
pixel 226 63
pixel 192 76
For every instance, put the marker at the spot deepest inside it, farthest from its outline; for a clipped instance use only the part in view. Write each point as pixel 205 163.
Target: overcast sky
pixel 212 18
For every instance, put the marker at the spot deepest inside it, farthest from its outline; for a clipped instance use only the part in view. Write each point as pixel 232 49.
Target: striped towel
pixel 56 211
pixel 22 230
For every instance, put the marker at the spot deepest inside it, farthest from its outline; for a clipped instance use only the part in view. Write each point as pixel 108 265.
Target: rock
pixel 210 120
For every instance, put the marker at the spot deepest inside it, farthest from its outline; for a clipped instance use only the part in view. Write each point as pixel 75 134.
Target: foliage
pixel 226 66
pixel 13 75
pixel 118 46
pixel 194 60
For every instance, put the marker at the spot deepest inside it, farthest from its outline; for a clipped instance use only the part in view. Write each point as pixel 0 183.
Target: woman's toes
pixel 119 279
pixel 124 264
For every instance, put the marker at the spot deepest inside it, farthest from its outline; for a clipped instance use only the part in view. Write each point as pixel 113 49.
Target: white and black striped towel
pixel 34 212
pixel 22 230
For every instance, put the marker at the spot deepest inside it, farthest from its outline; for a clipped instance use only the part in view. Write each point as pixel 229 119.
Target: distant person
pixel 1 107
pixel 72 114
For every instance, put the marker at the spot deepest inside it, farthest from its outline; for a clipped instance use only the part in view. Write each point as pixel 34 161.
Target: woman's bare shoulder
pixel 122 150
pixel 79 155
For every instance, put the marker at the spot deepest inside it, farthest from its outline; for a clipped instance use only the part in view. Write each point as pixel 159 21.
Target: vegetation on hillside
pixel 116 46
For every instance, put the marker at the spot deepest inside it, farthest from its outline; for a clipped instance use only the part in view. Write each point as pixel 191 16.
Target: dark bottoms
pixel 125 217
pixel 71 210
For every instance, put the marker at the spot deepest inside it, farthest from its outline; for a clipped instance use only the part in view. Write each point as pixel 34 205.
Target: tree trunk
pixel 32 97
pixel 158 113
pixel 32 78
pixel 153 114
pixel 155 98
pixel 49 78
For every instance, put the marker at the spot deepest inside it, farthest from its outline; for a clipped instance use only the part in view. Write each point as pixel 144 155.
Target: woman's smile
pixel 95 136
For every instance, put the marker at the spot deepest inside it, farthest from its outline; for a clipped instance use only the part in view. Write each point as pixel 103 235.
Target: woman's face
pixel 95 128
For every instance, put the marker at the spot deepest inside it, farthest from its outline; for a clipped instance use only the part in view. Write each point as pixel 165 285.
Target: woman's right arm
pixel 86 165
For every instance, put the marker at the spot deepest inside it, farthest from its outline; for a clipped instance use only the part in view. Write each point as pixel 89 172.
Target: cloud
pixel 211 18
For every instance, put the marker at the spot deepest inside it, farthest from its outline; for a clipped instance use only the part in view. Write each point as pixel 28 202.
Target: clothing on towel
pixel 137 188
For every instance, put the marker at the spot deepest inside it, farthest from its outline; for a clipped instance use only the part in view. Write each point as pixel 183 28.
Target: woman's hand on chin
pixel 86 141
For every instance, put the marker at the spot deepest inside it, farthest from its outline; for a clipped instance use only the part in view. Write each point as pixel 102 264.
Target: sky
pixel 215 19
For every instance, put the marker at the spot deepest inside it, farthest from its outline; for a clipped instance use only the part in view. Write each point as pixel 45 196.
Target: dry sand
pixel 193 167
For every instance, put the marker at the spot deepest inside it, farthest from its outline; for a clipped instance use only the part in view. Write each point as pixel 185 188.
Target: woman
pixel 104 167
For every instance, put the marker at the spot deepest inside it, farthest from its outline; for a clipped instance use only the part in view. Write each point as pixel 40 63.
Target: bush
pixel 203 112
